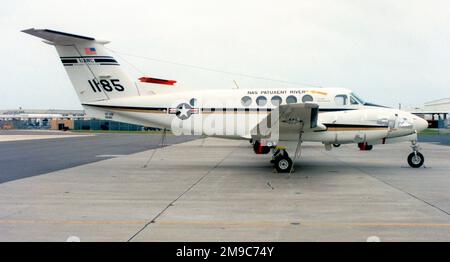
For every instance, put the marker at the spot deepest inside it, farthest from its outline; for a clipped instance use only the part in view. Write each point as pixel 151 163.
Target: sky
pixel 388 52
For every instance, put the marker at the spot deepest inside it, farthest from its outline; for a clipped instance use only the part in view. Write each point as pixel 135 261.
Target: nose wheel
pixel 415 159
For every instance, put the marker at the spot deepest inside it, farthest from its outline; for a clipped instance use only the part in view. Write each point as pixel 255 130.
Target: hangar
pixel 438 105
pixel 436 113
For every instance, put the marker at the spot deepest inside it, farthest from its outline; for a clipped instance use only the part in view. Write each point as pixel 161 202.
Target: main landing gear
pixel 415 159
pixel 281 160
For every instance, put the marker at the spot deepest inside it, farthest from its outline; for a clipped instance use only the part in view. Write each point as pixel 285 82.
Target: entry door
pixel 393 122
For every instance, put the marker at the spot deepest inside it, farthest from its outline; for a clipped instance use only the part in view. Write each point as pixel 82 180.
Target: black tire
pixel 415 160
pixel 336 145
pixel 283 164
pixel 369 147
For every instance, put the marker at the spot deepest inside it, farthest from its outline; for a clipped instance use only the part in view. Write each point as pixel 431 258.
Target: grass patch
pixel 434 132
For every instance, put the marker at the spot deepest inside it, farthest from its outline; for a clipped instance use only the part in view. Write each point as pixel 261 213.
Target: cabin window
pixel 307 98
pixel 276 100
pixel 246 101
pixel 193 102
pixel 291 100
pixel 353 101
pixel 340 100
pixel 261 101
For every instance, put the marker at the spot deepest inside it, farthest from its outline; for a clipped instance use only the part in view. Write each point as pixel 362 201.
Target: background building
pixel 438 105
pixel 436 112
pixel 60 120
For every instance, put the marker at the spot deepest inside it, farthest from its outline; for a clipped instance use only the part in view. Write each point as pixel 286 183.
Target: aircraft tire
pixel 283 164
pixel 416 160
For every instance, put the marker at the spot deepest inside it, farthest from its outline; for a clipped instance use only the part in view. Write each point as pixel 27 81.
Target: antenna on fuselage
pixel 161 145
pixel 203 68
pixel 236 84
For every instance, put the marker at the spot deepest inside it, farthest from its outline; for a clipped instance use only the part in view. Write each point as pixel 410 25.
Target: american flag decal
pixel 90 51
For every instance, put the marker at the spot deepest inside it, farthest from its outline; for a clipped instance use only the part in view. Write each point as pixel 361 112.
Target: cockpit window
pixel 353 101
pixel 340 100
pixel 357 98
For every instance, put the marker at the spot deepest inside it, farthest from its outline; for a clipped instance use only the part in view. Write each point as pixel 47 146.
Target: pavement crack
pixel 414 196
pixel 153 220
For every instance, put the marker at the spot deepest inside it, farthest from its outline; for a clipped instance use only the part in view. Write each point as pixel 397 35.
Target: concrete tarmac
pixel 29 153
pixel 218 190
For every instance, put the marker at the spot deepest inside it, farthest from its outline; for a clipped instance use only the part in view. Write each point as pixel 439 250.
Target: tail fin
pixel 94 73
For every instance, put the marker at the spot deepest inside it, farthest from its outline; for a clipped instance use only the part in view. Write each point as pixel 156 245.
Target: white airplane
pixel 274 120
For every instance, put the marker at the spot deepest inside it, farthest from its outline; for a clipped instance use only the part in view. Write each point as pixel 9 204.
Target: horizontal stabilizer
pixel 61 38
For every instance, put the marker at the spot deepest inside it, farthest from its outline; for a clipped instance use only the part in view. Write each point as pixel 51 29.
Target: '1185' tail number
pixel 106 85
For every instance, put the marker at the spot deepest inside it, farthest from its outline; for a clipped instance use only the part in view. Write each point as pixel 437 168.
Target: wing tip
pixel 28 31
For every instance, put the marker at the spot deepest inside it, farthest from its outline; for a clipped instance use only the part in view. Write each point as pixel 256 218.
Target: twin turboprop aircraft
pixel 275 121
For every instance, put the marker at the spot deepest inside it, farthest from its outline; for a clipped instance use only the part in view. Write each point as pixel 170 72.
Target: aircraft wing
pixel 291 118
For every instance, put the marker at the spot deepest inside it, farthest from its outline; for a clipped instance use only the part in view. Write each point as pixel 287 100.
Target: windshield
pixel 357 98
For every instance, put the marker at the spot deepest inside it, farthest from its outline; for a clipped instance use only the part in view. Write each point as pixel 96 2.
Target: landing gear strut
pixel 281 161
pixel 415 159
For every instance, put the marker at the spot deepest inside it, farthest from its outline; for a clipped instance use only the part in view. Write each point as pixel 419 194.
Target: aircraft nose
pixel 420 124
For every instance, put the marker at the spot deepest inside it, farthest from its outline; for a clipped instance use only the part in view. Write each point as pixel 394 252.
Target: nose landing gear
pixel 415 159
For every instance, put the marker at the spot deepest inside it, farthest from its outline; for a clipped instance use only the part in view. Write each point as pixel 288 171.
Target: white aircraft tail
pixel 94 72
